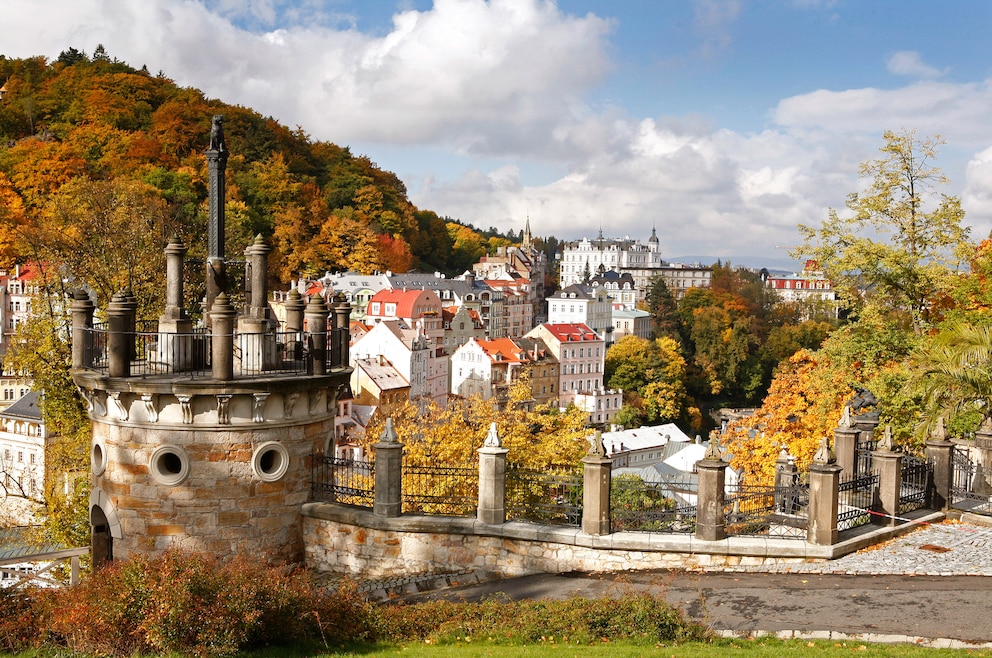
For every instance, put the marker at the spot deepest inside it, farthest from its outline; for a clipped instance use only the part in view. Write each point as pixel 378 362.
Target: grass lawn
pixel 721 648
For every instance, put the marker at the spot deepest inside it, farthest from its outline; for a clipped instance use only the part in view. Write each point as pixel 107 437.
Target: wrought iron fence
pixel 916 486
pixel 862 453
pixel 348 481
pixel 552 495
pixel 665 506
pixel 188 354
pixel 856 496
pixel 440 490
pixel 970 489
pixel 778 511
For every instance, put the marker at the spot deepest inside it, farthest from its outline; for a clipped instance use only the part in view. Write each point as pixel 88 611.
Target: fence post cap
pixel 389 434
pixel 824 455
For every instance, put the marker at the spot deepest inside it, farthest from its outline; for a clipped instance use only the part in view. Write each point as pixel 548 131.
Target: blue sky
pixel 723 123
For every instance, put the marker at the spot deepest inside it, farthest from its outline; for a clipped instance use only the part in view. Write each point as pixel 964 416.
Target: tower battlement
pixel 203 433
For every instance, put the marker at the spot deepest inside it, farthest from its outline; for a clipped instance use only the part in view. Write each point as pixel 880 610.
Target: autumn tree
pixel 900 242
pixel 451 436
pixel 107 235
pixel 652 376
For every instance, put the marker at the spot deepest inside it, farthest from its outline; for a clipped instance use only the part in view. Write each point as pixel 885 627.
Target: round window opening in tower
pixel 98 459
pixel 270 461
pixel 169 465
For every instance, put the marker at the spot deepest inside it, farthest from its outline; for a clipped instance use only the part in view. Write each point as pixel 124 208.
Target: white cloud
pixel 501 88
pixel 910 64
pixel 959 112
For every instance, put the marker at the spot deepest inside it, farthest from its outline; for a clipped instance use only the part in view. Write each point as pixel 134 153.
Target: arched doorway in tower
pixel 101 542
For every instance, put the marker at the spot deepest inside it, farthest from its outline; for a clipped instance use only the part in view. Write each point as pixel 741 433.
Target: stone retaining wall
pixel 346 540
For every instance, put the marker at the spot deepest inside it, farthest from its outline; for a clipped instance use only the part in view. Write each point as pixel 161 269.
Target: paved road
pixel 932 584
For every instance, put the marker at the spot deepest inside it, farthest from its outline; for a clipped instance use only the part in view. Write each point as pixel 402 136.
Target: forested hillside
pixel 96 153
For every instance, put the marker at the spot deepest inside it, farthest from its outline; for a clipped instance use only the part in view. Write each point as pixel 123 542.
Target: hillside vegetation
pixel 95 152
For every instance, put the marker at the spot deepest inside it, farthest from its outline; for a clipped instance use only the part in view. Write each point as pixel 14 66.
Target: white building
pixel 580 304
pixel 634 322
pixel 22 447
pixel 808 286
pixel 413 353
pixel 471 371
pixel 581 355
pixel 585 259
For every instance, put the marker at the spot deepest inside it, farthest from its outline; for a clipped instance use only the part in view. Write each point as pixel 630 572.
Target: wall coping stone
pixel 768 547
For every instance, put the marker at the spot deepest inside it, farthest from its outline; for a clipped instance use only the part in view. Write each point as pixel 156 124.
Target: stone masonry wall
pixel 356 543
pixel 221 506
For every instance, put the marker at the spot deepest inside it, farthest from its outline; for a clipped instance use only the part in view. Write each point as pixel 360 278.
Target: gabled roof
pixel 24 408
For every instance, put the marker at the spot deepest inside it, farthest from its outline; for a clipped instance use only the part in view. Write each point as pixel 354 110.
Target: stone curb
pixel 873 638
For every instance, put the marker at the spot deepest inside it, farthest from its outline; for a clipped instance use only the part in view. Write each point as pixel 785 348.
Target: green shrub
pixel 636 617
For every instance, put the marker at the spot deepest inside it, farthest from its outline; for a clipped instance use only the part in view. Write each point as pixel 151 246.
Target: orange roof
pixel 508 351
pixel 503 283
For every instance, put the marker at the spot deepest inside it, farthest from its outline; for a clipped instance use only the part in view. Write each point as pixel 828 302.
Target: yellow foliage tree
pixel 804 404
pixel 451 436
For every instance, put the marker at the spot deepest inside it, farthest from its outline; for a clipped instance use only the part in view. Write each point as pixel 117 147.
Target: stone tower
pixel 203 433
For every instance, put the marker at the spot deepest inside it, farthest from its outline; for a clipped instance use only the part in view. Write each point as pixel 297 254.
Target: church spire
pixel 527 235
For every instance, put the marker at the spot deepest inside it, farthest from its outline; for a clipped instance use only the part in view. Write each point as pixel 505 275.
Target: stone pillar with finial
pixel 846 442
pixel 256 341
pixel 175 328
pixel 711 520
pixel 222 316
pixel 294 324
pixel 888 464
pixel 315 315
pixel 120 335
pixel 785 477
pixel 824 496
pixel 492 480
pixel 941 452
pixel 82 329
pixel 596 480
pixel 388 473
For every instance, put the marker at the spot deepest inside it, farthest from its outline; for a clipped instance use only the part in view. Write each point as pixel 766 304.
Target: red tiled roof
pixel 406 301
pixel 571 332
